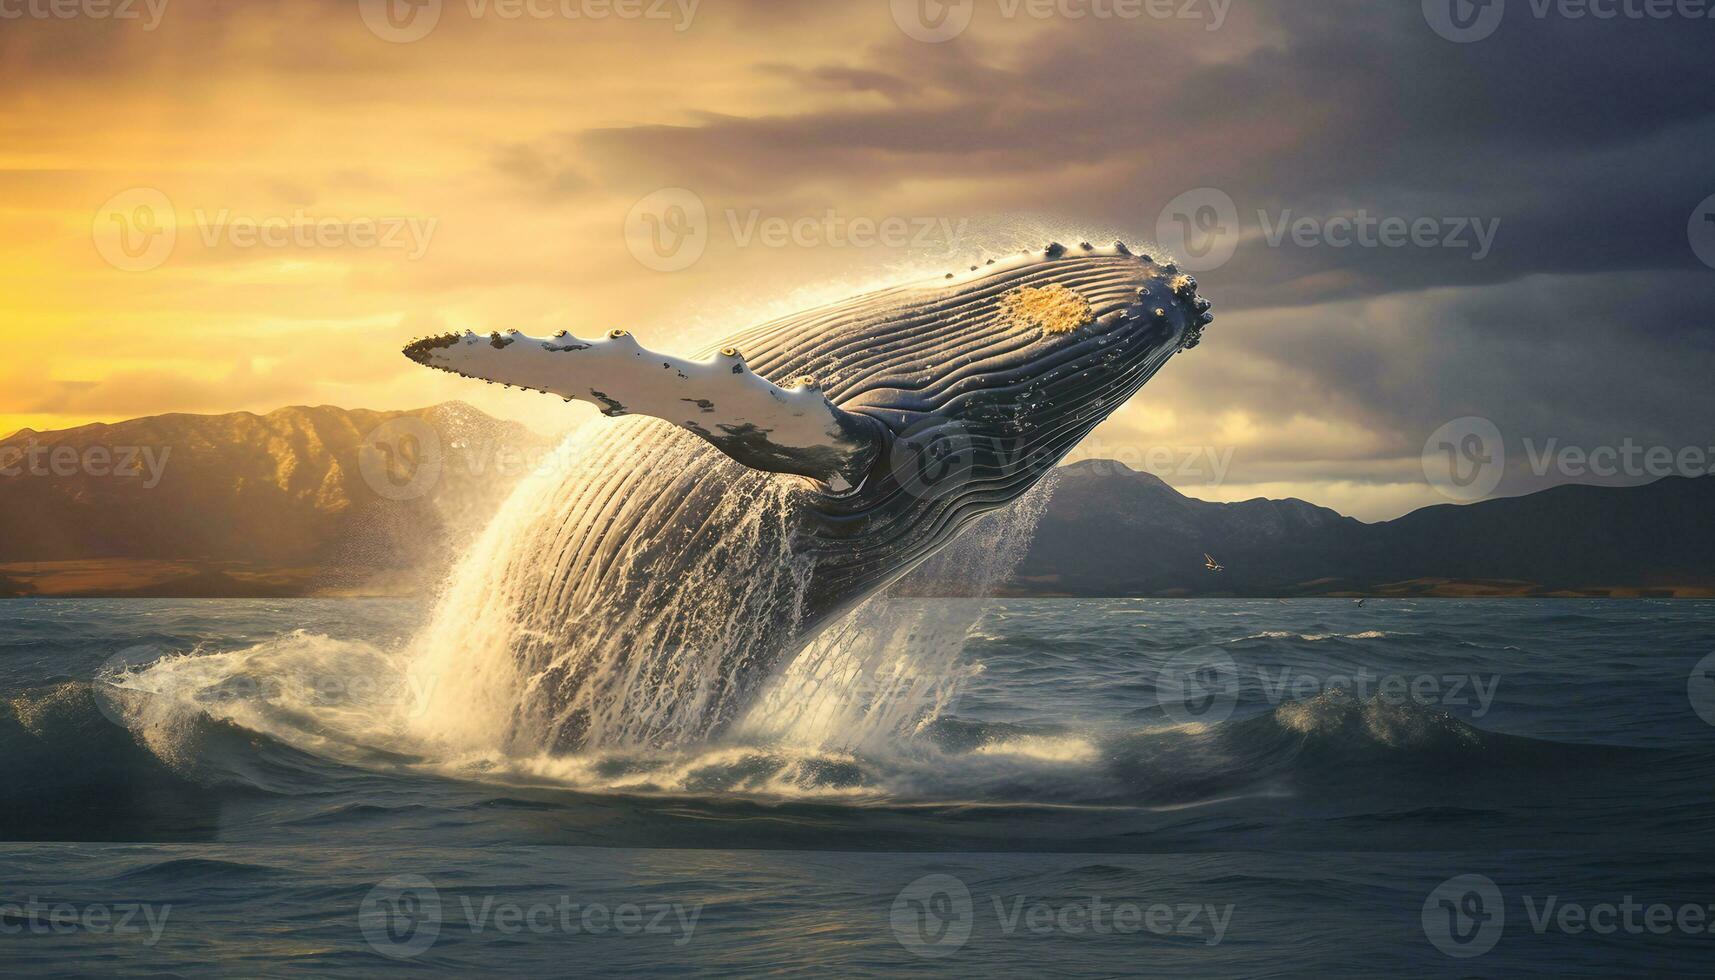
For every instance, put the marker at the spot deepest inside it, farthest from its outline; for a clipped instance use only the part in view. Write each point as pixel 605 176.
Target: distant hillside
pixel 298 500
pixel 307 501
pixel 1112 531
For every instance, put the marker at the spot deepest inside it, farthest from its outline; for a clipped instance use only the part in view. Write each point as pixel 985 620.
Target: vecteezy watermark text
pixel 1202 685
pixel 1202 228
pixel 138 229
pixel 934 916
pixel 148 463
pixel 669 230
pixel 1468 21
pixel 935 21
pixel 1466 458
pixel 404 915
pixel 404 21
pixel 303 230
pixel 34 917
pixel 1629 458
pixel 1365 230
pixel 834 230
pixel 1465 916
pixel 148 12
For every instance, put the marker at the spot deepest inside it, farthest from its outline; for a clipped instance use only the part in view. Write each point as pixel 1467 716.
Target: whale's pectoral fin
pixel 756 422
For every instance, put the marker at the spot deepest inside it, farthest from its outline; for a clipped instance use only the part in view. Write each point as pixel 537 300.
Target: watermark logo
pixel 933 915
pixel 1701 231
pixel 680 12
pixel 933 21
pixel 1464 21
pixel 146 12
pixel 402 458
pixel 1464 916
pixel 1467 21
pixel 668 230
pixel 1199 686
pixel 400 21
pixel 1700 689
pixel 1200 228
pixel 404 21
pixel 404 915
pixel 135 230
pixel 401 916
pixel 933 458
pixel 1465 459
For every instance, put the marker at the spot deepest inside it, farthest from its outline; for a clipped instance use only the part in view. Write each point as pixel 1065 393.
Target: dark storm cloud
pixel 1587 140
pixel 1583 146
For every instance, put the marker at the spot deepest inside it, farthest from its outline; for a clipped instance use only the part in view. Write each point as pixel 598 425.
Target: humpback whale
pixel 764 487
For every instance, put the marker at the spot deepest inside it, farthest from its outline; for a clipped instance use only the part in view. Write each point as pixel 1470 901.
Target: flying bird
pixel 1211 564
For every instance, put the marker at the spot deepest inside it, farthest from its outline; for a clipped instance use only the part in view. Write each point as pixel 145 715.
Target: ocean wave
pixel 1317 637
pixel 1044 748
pixel 179 871
pixel 265 719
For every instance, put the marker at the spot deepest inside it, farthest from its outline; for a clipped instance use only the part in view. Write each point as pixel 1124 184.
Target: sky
pixel 1431 231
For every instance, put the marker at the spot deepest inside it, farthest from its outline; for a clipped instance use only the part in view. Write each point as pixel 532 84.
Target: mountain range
pixel 299 501
pixel 330 501
pixel 1112 531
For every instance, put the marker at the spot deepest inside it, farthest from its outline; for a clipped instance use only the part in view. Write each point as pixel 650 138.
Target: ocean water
pixel 1078 788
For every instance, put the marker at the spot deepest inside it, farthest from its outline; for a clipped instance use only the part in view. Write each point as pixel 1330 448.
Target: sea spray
pixel 891 666
pixel 531 656
pixel 653 665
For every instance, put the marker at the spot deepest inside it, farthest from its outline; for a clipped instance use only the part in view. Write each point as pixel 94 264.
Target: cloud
pixel 1584 144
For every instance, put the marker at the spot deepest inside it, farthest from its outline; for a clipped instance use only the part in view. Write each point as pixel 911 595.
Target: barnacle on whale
pixel 1053 308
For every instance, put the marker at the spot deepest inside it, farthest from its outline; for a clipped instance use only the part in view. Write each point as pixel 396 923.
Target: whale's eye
pixel 1055 309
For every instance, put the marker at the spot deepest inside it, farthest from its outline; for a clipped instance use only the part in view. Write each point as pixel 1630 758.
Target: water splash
pixel 655 662
pixel 532 656
pixel 892 666
pixel 473 695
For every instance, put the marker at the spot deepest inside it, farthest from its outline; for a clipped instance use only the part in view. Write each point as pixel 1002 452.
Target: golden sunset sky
pixel 510 151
